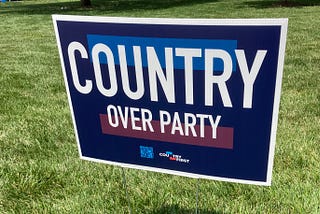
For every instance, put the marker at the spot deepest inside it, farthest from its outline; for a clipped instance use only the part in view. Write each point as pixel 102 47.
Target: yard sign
pixel 191 97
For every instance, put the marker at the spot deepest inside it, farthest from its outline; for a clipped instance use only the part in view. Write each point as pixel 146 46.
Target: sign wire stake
pixel 126 188
pixel 197 196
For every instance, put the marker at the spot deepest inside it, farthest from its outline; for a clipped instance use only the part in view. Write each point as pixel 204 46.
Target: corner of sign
pixel 55 17
pixel 285 21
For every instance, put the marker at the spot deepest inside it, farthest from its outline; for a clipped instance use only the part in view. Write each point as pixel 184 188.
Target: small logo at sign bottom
pixel 173 157
pixel 146 152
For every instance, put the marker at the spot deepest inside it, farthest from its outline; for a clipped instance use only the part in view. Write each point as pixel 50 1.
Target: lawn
pixel 40 169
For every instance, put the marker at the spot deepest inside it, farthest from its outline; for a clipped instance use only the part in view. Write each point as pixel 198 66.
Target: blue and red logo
pixel 174 157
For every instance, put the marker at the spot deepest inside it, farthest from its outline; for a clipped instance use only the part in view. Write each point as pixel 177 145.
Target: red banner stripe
pixel 224 136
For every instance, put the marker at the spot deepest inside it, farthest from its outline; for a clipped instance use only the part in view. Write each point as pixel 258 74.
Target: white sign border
pixel 282 22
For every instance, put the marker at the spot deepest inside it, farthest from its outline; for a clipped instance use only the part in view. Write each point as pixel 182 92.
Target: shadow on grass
pixel 281 3
pixel 175 209
pixel 97 6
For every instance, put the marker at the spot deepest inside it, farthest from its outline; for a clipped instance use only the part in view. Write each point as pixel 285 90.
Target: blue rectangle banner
pixel 191 97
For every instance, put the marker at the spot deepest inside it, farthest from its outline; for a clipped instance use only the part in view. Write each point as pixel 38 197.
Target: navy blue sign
pixel 197 98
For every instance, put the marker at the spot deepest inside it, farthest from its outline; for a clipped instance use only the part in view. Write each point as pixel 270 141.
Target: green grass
pixel 40 169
